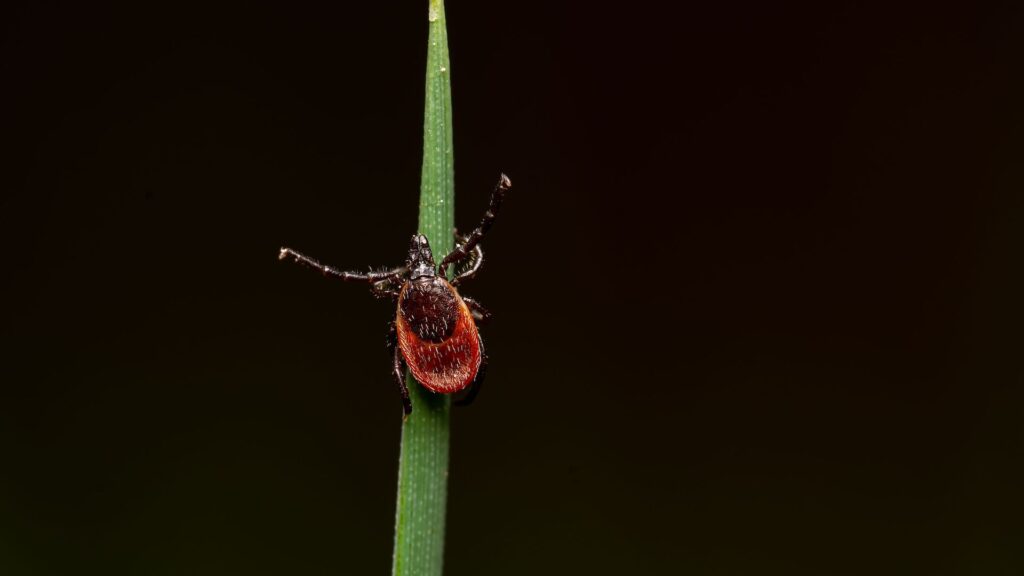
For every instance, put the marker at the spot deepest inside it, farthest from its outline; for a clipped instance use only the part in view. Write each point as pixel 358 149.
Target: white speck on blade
pixel 432 13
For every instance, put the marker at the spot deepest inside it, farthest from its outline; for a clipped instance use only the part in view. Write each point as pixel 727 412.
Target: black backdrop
pixel 757 289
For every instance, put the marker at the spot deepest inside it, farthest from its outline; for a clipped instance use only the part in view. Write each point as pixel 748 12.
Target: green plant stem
pixel 423 463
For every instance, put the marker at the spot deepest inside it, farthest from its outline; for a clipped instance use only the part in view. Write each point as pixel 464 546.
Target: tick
pixel 434 332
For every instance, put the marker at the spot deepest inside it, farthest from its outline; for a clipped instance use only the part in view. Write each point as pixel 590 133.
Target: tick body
pixel 437 335
pixel 434 332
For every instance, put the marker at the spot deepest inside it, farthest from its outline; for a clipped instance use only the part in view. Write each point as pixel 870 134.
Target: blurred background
pixel 757 290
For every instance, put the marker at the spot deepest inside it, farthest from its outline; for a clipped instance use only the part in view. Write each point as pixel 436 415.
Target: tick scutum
pixel 430 308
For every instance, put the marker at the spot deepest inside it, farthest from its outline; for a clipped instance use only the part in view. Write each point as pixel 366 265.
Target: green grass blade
pixel 423 464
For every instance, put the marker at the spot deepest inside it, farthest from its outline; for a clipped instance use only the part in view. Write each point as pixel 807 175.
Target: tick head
pixel 421 259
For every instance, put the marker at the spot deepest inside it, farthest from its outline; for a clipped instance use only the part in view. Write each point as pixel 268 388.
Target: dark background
pixel 757 289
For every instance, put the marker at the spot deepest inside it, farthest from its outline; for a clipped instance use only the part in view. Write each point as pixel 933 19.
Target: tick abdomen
pixel 437 335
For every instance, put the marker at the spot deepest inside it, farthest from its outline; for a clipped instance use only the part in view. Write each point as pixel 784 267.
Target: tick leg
pixel 402 388
pixel 372 277
pixel 463 249
pixel 480 314
pixel 384 289
pixel 474 387
pixel 397 371
pixel 478 260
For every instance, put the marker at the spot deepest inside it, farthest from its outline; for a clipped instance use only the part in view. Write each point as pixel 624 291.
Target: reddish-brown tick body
pixel 437 335
pixel 434 331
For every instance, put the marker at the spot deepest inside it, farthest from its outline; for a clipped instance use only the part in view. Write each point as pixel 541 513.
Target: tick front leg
pixel 465 248
pixel 371 277
pixel 397 371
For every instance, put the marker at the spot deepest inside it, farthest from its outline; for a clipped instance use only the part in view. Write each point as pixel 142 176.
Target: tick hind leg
pixel 478 381
pixel 463 249
pixel 480 314
pixel 396 369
